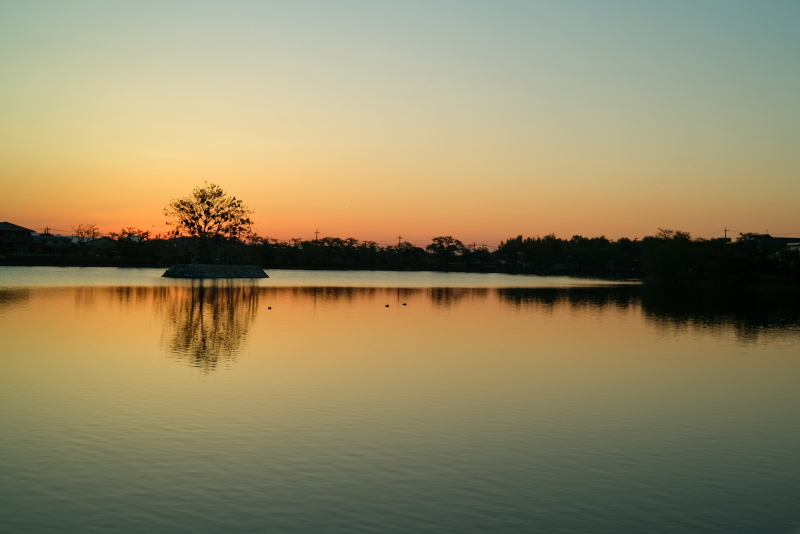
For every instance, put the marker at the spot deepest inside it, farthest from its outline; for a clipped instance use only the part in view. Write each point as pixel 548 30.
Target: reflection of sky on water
pixel 126 276
pixel 207 323
pixel 321 409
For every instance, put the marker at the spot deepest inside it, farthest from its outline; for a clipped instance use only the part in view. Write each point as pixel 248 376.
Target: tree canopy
pixel 446 246
pixel 209 212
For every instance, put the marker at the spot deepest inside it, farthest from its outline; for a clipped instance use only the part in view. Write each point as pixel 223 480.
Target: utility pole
pixel 399 240
pixel 726 230
pixel 317 235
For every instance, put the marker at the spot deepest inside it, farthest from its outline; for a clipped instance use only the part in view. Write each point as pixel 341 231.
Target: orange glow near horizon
pixel 374 122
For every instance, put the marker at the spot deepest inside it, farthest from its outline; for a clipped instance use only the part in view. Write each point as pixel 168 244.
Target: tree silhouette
pixel 85 234
pixel 209 212
pixel 210 218
pixel 445 247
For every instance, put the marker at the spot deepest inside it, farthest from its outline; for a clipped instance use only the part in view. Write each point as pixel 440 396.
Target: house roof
pixel 769 240
pixel 8 227
pixel 48 237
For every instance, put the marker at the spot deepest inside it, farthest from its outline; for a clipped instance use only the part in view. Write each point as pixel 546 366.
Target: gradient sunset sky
pixel 481 120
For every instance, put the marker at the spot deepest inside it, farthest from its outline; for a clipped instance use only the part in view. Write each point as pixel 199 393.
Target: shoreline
pixel 100 262
pixel 762 285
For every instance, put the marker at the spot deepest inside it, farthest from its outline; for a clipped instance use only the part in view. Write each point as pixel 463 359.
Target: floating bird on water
pixel 269 307
pixel 404 304
pixel 387 305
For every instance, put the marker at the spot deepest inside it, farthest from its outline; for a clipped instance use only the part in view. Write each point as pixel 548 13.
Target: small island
pixel 208 226
pixel 198 270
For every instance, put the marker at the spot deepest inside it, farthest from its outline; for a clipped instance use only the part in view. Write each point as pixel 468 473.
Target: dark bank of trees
pixel 669 256
pixel 210 226
pixel 136 247
pixel 579 255
pixel 338 253
pixel 536 255
pixel 673 256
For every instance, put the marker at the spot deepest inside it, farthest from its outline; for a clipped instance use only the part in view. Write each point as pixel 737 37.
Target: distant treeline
pixel 668 256
pixel 671 256
pixel 676 257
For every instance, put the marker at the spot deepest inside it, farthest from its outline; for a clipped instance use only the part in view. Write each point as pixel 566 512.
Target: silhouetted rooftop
pixel 9 227
pixel 769 240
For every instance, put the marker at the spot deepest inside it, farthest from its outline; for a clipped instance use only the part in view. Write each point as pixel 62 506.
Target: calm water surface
pixel 301 403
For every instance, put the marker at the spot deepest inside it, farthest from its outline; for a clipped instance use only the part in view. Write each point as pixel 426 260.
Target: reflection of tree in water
pixel 13 296
pixel 576 297
pixel 350 294
pixel 748 313
pixel 125 296
pixel 132 294
pixel 448 296
pixel 207 324
pixel 324 296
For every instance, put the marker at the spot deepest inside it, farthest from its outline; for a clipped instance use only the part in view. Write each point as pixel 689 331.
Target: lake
pixel 319 401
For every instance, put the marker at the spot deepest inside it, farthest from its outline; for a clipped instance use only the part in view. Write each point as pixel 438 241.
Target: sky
pixel 481 120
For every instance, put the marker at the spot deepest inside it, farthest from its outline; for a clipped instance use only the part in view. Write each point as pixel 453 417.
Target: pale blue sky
pixel 361 117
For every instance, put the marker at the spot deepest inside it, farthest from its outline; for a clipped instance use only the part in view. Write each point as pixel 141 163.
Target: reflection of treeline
pixel 206 324
pixel 579 297
pixel 439 296
pixel 334 294
pixel 11 297
pixel 748 313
